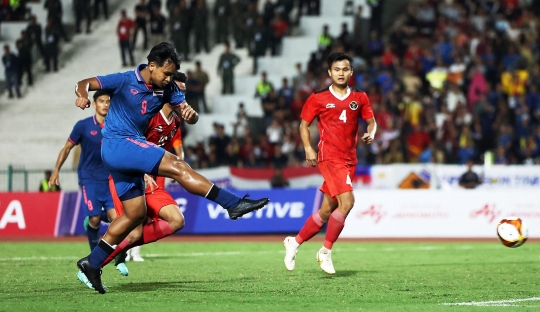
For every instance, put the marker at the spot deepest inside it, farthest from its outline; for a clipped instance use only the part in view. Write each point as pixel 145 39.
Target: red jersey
pixel 123 29
pixel 338 122
pixel 162 132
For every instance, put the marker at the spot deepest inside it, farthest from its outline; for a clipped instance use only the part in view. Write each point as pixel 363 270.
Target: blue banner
pixel 286 213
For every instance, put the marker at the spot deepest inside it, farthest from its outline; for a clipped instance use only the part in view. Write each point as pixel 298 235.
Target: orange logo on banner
pixel 413 181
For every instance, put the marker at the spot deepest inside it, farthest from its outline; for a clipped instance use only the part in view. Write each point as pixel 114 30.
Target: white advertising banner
pixel 447 176
pixel 439 214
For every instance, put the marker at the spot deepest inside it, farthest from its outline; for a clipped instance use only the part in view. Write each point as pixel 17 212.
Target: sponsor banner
pixel 29 214
pixel 439 214
pixel 447 176
pixel 286 213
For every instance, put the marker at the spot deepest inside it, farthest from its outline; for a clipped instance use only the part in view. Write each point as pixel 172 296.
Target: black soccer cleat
pixel 93 275
pixel 246 206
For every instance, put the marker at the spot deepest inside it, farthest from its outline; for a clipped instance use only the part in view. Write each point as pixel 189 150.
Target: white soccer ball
pixel 512 232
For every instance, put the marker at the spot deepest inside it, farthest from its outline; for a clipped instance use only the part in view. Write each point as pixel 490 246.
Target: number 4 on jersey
pixel 343 116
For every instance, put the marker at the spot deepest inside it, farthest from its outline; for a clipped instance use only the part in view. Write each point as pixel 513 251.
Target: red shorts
pixel 155 200
pixel 337 176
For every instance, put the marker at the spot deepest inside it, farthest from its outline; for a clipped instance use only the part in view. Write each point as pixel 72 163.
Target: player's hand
pixel 149 182
pixel 366 138
pixel 311 157
pixel 82 102
pixel 189 114
pixel 55 179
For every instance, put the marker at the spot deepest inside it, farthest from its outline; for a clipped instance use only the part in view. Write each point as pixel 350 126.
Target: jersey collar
pixel 139 76
pixel 97 123
pixel 339 97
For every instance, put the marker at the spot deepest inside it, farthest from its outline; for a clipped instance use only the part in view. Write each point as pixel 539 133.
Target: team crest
pixel 353 105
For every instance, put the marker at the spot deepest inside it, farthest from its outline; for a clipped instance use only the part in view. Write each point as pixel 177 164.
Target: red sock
pixel 335 226
pixel 312 226
pixel 152 232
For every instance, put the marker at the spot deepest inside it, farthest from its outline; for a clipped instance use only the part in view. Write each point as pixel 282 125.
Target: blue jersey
pixel 87 132
pixel 134 103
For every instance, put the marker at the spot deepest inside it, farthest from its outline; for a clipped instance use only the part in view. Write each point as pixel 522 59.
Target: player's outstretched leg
pixel 311 227
pixel 174 168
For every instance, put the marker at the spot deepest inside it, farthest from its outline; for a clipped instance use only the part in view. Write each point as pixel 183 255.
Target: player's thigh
pixel 156 200
pixel 135 208
pixel 171 166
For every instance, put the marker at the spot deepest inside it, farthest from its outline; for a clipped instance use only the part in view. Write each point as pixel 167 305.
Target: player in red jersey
pixel 337 110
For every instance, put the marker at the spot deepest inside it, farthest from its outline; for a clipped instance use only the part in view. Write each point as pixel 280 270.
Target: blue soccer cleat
pixel 82 278
pixel 122 268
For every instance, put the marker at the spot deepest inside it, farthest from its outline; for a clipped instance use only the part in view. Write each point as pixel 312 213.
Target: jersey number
pixel 143 110
pixel 343 116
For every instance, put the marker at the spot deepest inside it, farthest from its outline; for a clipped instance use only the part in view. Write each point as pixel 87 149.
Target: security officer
pixel 222 12
pixel 226 64
pixel 24 46
pixel 51 45
pixel 82 11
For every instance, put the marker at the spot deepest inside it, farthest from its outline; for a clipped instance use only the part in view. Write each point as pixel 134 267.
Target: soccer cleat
pixel 246 206
pixel 290 253
pixel 324 257
pixel 93 275
pixel 82 278
pixel 136 254
pixel 122 268
pixel 85 223
pixel 128 255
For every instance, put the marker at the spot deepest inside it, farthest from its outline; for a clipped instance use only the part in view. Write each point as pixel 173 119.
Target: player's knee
pixel 137 217
pixel 177 223
pixel 347 205
pixel 94 221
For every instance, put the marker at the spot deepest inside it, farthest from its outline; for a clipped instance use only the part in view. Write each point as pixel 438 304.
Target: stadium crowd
pixel 451 81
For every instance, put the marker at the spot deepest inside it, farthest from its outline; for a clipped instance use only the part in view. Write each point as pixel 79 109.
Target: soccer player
pixel 137 96
pixel 92 173
pixel 337 110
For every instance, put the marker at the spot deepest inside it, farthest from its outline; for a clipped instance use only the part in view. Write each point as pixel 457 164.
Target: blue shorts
pixel 94 197
pixel 129 159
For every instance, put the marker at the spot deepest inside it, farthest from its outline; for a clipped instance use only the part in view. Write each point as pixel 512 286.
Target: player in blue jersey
pixel 136 97
pixel 92 173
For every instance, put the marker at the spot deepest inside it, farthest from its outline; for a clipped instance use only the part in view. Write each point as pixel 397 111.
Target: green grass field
pixel 236 276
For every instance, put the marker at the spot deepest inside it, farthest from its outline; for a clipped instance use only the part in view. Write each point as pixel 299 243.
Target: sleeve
pixel 311 109
pixel 177 139
pixel 367 111
pixel 76 133
pixel 177 97
pixel 110 82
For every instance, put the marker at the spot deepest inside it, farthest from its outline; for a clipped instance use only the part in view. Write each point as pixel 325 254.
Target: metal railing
pixel 20 179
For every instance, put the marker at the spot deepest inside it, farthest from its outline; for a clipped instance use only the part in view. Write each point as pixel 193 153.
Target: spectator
pixel 202 77
pixel 261 37
pixel 220 140
pixel 193 87
pixel 469 180
pixel 325 40
pixel 104 6
pixel 227 63
pixel 34 32
pixel 200 25
pixel 24 46
pixel 222 16
pixel 82 11
pixel 345 38
pixel 141 15
pixel 361 30
pixel 123 30
pixel 11 66
pixel 278 180
pixel 44 184
pixel 279 29
pixel 55 11
pixel 286 92
pixel 157 26
pixel 263 87
pixel 51 45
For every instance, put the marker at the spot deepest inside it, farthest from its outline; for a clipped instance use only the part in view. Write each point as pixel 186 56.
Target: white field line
pixel 236 253
pixel 495 303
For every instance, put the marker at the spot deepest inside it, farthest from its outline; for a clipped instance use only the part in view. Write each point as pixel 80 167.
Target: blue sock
pixel 100 253
pixel 223 197
pixel 93 236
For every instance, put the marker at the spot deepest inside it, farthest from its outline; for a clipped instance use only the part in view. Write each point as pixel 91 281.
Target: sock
pixel 312 226
pixel 152 232
pixel 93 236
pixel 223 197
pixel 335 226
pixel 120 258
pixel 100 253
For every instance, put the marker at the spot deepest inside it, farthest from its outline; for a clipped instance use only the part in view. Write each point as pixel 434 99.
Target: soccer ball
pixel 512 232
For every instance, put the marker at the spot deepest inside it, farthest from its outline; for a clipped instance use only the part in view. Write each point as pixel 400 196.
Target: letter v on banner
pixel 13 214
pixel 215 210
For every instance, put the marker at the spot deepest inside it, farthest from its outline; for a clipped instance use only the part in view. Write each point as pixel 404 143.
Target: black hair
pixel 162 53
pixel 99 93
pixel 179 76
pixel 338 56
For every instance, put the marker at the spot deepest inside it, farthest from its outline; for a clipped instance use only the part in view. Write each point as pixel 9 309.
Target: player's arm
pixel 64 153
pixel 81 91
pixel 187 112
pixel 371 129
pixel 311 154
